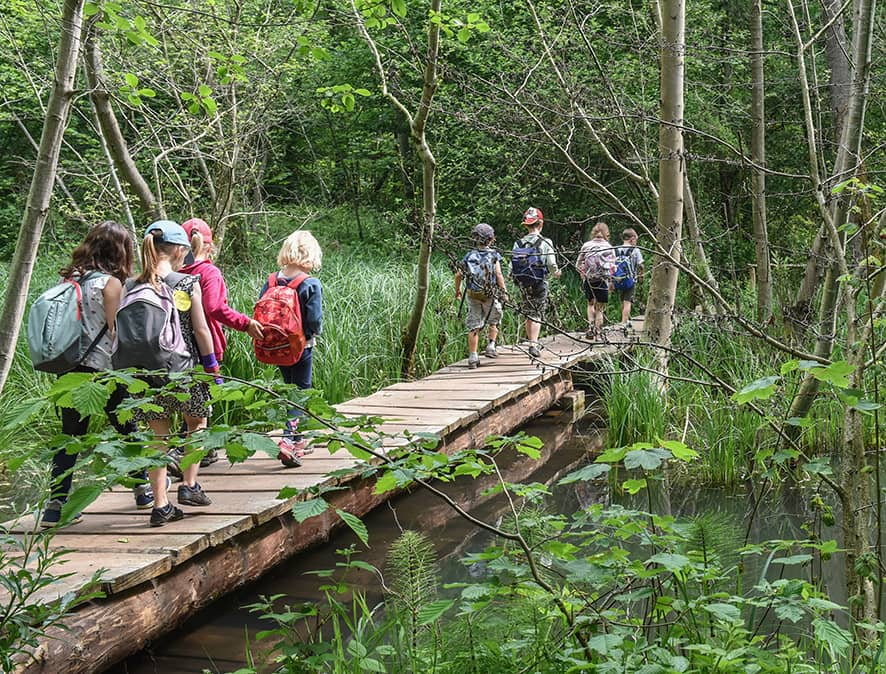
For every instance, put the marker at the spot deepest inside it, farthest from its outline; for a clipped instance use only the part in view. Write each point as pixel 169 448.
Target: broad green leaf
pixel 204 91
pixel 362 92
pixel 90 399
pixel 793 560
pixel 259 442
pixel 818 466
pixel 464 34
pixel 210 105
pixel 726 612
pixel 80 499
pixel 761 389
pixel 670 561
pixel 633 486
pixel 356 525
pixel 432 611
pixel 604 643
pixel 586 474
pixel 612 455
pixel 310 508
pixel 837 639
pixel 679 450
pixel 399 7
pixel 836 373
pixel 647 459
pixel 802 422
pixel 789 366
pixel 792 613
pixel 371 665
pixel 131 80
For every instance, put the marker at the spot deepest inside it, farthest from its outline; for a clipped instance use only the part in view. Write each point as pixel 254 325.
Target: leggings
pixel 300 374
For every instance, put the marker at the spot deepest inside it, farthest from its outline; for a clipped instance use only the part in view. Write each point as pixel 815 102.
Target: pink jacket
pixel 215 304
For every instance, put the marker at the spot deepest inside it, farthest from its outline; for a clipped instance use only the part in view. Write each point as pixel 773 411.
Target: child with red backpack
pixel 290 310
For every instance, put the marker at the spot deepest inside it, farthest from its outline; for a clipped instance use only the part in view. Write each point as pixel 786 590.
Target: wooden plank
pixel 178 546
pixel 261 506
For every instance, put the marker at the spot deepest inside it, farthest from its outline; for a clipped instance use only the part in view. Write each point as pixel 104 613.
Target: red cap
pixel 198 225
pixel 530 217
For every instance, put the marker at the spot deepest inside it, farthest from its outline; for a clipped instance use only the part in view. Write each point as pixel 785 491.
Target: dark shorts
pixel 596 290
pixel 627 295
pixel 534 301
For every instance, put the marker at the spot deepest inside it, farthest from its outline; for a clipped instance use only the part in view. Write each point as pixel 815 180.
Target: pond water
pixel 216 639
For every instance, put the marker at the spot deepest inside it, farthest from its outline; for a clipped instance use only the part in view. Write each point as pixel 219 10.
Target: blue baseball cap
pixel 171 232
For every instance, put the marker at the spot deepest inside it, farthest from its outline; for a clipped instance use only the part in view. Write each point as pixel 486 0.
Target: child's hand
pixel 254 329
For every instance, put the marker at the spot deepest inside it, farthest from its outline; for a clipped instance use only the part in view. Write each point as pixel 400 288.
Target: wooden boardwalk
pixel 154 578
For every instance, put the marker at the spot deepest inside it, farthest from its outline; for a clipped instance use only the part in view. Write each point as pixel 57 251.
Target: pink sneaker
pixel 291 452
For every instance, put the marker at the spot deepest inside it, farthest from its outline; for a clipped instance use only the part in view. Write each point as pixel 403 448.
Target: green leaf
pixel 761 389
pixel 204 91
pixel 633 486
pixel 430 612
pixel 258 442
pixel 356 525
pixel 90 398
pixel 647 459
pixel 362 92
pixel 473 17
pixel 464 34
pixel 147 93
pixel 837 639
pixel 586 474
pixel 670 561
pixel 80 499
pixel 399 7
pixel 131 80
pixel 311 508
pixel 90 9
pixel 726 612
pixel 612 455
pixel 604 643
pixel 209 105
pixel 793 560
pixel 836 373
pixel 802 422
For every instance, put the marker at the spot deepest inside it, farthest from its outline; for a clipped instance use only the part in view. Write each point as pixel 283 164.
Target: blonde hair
pixel 198 245
pixel 153 250
pixel 300 249
pixel 600 231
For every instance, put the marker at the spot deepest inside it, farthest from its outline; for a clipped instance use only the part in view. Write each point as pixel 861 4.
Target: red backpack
pixel 279 313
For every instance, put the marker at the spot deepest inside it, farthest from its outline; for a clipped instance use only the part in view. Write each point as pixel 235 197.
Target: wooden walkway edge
pixel 155 578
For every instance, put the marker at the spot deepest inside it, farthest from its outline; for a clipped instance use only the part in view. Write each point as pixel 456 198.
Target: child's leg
pixel 625 311
pixel 598 318
pixel 473 340
pixel 189 474
pixel 301 374
pixel 493 333
pixel 592 308
pixel 161 428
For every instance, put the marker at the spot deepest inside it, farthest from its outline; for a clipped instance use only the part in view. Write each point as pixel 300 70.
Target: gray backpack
pixel 56 332
pixel 149 330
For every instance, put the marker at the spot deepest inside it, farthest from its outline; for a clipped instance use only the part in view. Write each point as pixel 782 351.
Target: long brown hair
pixel 107 247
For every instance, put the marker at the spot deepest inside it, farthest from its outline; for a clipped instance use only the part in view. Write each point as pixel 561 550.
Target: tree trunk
pixel 758 155
pixel 663 288
pixel 699 256
pixel 110 129
pixel 40 193
pixel 429 196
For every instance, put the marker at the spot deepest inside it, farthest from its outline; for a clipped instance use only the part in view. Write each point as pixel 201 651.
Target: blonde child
pixel 299 256
pixel 484 284
pixel 594 264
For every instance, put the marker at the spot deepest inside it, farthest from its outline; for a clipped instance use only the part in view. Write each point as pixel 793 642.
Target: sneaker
pixel 591 333
pixel 52 515
pixel 192 496
pixel 173 462
pixel 210 458
pixel 534 352
pixel 474 362
pixel 144 495
pixel 168 513
pixel 490 351
pixel 291 452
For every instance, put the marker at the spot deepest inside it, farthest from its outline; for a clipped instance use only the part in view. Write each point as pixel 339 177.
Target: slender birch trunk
pixel 663 288
pixel 758 155
pixel 40 193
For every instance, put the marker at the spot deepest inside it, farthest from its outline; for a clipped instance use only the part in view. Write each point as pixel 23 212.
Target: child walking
pixel 540 262
pixel 299 255
pixel 215 304
pixel 629 271
pixel 163 252
pixel 595 261
pixel 100 264
pixel 484 284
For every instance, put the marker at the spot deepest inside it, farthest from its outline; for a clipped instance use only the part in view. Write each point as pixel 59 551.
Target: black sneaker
pixel 534 352
pixel 192 496
pixel 168 513
pixel 173 462
pixel 210 458
pixel 52 515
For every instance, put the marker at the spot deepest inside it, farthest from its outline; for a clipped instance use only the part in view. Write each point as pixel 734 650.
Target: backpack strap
pixel 173 278
pixel 272 280
pixel 297 281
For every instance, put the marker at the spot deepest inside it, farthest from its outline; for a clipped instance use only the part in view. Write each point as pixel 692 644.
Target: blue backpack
pixel 527 266
pixel 623 271
pixel 56 330
pixel 479 272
